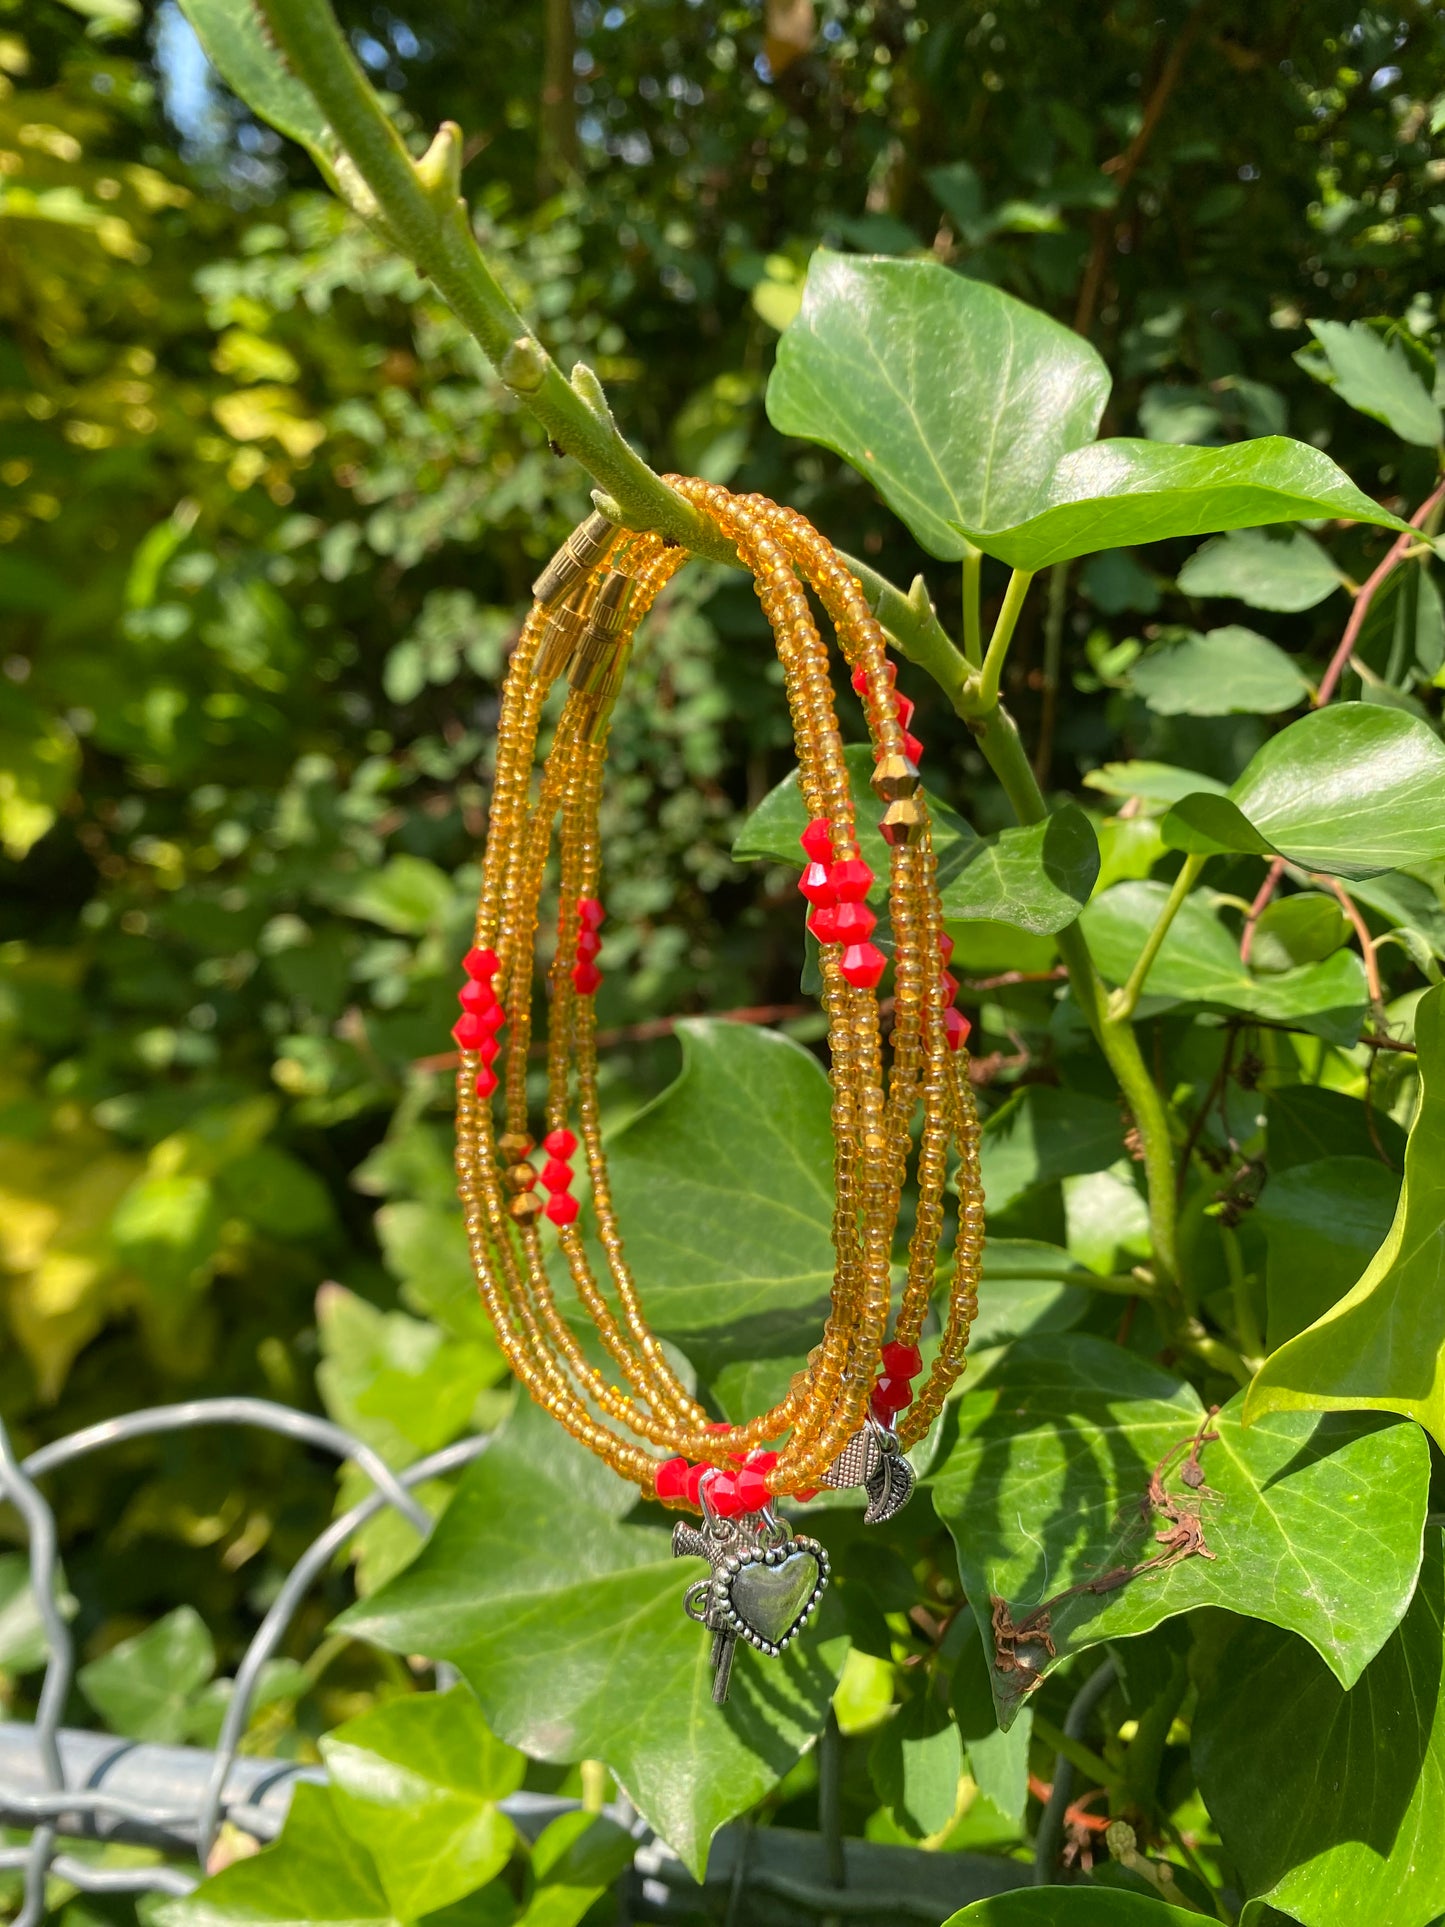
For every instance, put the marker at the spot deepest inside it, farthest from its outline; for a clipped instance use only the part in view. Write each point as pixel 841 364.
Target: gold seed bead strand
pixel 833 1394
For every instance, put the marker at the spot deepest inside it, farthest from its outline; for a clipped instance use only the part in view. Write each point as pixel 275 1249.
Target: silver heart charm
pixel 767 1594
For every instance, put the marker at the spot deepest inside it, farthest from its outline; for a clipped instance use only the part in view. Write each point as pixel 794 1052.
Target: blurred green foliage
pixel 267 524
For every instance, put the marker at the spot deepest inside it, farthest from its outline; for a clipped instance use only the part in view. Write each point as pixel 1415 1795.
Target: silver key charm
pixel 763 1586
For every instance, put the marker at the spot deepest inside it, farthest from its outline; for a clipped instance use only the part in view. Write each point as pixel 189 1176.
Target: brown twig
pixel 1367 942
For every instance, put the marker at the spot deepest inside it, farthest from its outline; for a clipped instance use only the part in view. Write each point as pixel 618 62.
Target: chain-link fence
pixel 61 1785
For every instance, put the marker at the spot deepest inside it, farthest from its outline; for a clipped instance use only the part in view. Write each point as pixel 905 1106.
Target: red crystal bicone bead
pixel 670 1479
pixel 590 913
pixel 751 1488
pixel 901 1361
pixel 892 1395
pixel 854 922
pixel 482 964
pixel 912 748
pixel 761 1461
pixel 955 1028
pixel 692 1485
pixel 559 1143
pixel 945 947
pixel 863 965
pixel 488 1048
pixel 486 1081
pixel 851 880
pixel 723 1495
pixel 816 885
pixel 556 1175
pixel 586 977
pixel 824 923
pixel 477 998
pixel 562 1208
pixel 469 1031
pixel 588 945
pixel 948 984
pixel 817 840
pixel 903 707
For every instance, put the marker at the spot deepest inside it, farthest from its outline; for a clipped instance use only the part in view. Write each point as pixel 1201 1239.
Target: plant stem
pixel 998 737
pixel 986 697
pixel 430 227
pixel 1246 1325
pixel 1053 659
pixel 972 615
pixel 1125 1002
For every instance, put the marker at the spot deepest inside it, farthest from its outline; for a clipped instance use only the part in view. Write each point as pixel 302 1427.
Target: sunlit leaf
pixel 1315 1527
pixel 1037 876
pixel 1282 569
pixel 1225 672
pixel 143 1687
pixel 1373 375
pixel 1382 1346
pixel 568 1623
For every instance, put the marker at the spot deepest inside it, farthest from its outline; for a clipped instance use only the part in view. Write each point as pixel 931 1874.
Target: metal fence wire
pixel 60 1785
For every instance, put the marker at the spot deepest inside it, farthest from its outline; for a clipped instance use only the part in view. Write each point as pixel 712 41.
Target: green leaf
pixel 314 1872
pixel 1302 929
pixel 578 1856
pixel 1226 672
pixel 1151 782
pixel 998 1759
pixel 23 1646
pixel 1331 1803
pixel 771 832
pixel 1315 1527
pixel 974 416
pixel 1382 1347
pixel 1118 493
pixel 416 1783
pixel 1022 1291
pixel 1282 569
pixel 915 1762
pixel 1352 789
pixel 1306 1122
pixel 568 1623
pixel 725 1183
pixel 1373 375
pixel 400 1384
pixel 1323 1222
pixel 1040 1134
pixel 1071 1907
pixel 406 895
pixel 237 47
pixel 1198 962
pixel 953 398
pixel 143 1687
pixel 39 762
pixel 1037 877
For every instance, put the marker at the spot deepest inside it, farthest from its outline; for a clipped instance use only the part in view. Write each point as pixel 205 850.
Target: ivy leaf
pixel 416 1783
pixel 1037 877
pixel 568 1624
pixel 23 1645
pixel 1225 672
pixel 144 1686
pixel 974 416
pixel 725 1183
pixel 314 1872
pixel 1306 1122
pixel 1331 1803
pixel 1071 1907
pixel 1151 782
pixel 1118 493
pixel 1281 569
pixel 953 398
pixel 1322 1222
pixel 1041 1134
pixel 1352 789
pixel 1315 1527
pixel 1297 930
pixel 577 1857
pixel 1382 1347
pixel 1372 375
pixel 1198 962
pixel 915 1762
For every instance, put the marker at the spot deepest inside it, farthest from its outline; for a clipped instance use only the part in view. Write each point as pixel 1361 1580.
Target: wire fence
pixel 61 1785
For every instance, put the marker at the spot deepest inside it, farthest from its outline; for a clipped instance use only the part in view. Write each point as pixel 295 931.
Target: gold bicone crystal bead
pixel 895 776
pixel 902 822
pixel 513 1145
pixel 519 1177
pixel 526 1207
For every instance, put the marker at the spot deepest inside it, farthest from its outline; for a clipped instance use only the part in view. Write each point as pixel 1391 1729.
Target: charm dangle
pixel 764 1584
pixel 874 1459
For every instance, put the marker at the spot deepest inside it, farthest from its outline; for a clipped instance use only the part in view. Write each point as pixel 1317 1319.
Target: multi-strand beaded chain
pixel 640 1416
